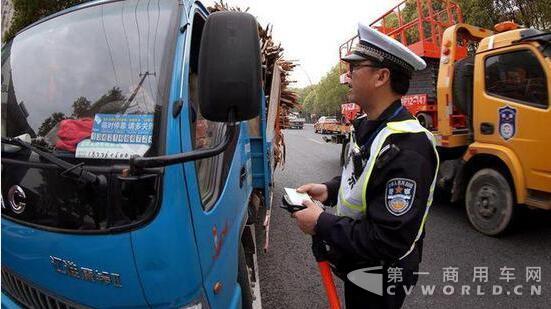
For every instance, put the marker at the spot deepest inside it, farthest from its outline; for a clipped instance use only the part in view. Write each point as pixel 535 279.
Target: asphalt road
pixel 289 276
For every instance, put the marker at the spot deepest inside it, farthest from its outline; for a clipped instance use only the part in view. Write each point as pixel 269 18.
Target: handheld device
pixel 292 200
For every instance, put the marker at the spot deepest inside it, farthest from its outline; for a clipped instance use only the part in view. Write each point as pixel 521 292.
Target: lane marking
pixel 313 140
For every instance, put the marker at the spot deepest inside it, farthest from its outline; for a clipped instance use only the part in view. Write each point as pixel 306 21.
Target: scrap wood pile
pixel 272 56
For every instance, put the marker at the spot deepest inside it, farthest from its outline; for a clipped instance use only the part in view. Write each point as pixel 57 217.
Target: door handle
pixel 242 176
pixel 487 128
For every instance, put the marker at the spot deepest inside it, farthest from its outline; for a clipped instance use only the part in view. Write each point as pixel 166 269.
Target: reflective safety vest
pixel 351 198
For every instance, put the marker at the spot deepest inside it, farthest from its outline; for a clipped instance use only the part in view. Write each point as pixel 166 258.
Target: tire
pixel 489 202
pixel 425 120
pixel 243 280
pixel 462 90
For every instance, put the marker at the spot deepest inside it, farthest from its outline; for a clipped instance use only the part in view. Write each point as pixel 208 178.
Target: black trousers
pixel 358 298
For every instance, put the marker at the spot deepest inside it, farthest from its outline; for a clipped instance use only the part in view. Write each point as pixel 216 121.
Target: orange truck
pixel 485 96
pixel 339 129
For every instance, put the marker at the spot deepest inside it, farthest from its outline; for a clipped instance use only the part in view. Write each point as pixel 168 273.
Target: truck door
pixel 218 186
pixel 512 108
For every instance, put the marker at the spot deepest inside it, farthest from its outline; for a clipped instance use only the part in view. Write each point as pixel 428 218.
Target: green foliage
pixel 487 13
pixel 112 102
pixel 50 123
pixel 481 13
pixel 81 108
pixel 326 97
pixel 27 12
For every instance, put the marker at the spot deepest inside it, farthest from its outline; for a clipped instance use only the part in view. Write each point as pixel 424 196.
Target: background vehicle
pixel 326 124
pixel 170 220
pixel 485 96
pixel 295 121
pixel 340 131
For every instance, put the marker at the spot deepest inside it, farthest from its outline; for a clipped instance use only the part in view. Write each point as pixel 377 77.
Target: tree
pixel 81 108
pixel 326 97
pixel 50 123
pixel 487 13
pixel 309 101
pixel 481 13
pixel 112 102
pixel 27 12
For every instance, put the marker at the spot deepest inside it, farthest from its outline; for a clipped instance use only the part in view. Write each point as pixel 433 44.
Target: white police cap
pixel 374 45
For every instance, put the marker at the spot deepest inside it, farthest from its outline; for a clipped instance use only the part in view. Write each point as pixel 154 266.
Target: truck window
pixel 109 59
pixel 211 172
pixel 518 76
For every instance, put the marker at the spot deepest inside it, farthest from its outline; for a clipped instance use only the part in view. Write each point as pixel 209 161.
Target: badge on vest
pixel 399 195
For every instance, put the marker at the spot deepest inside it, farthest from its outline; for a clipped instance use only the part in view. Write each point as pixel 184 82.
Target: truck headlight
pixel 199 303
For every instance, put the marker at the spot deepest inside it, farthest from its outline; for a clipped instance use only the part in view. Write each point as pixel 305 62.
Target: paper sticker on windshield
pixel 399 195
pixel 122 129
pixel 109 151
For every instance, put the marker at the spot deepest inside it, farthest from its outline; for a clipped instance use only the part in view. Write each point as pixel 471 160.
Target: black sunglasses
pixel 353 67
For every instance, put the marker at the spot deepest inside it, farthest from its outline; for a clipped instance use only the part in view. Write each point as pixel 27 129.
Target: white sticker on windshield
pixel 111 151
pixel 120 128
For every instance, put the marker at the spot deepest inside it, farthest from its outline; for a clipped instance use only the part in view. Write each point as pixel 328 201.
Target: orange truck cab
pixel 503 89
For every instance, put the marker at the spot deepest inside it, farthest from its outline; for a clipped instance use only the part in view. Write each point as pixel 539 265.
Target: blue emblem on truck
pixel 507 122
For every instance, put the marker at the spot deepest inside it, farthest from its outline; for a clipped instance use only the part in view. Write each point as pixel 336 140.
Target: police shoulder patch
pixel 399 195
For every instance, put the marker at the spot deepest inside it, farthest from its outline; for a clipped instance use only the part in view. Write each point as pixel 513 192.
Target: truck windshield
pixel 82 67
pixel 88 86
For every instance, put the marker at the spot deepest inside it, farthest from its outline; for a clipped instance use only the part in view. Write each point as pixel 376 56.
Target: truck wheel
pixel 244 281
pixel 489 202
pixel 425 120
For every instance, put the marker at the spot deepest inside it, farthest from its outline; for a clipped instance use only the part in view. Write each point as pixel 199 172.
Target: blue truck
pixel 136 158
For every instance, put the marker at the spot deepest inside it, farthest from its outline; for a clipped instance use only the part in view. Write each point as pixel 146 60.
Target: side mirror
pixel 230 86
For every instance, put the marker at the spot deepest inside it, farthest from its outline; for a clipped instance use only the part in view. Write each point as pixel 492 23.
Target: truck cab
pixel 503 89
pixel 128 162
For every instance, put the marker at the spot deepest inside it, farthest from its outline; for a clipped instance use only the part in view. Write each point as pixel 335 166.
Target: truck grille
pixel 29 296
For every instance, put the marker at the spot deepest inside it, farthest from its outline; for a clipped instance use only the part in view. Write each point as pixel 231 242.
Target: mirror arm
pixel 138 163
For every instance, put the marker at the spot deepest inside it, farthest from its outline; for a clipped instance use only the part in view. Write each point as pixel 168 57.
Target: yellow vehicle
pixel 502 86
pixel 490 108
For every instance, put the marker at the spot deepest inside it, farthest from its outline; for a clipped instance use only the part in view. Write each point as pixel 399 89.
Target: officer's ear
pixel 383 77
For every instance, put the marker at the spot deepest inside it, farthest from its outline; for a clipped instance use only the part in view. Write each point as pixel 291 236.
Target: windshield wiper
pixel 76 170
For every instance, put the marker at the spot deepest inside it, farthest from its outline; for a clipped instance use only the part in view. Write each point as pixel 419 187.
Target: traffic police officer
pixel 385 191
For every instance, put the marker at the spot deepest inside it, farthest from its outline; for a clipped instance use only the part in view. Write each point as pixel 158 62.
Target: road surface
pixel 289 277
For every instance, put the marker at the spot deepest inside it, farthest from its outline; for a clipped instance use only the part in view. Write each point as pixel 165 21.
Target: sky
pixel 312 31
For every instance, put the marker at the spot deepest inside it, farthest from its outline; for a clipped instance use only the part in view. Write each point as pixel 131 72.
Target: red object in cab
pixel 73 131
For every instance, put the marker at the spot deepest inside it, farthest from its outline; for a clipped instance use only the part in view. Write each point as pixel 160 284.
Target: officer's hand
pixel 307 218
pixel 316 190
